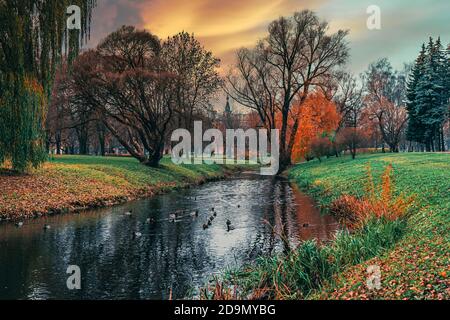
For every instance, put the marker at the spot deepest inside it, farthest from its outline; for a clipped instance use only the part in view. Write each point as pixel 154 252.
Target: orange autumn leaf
pixel 318 116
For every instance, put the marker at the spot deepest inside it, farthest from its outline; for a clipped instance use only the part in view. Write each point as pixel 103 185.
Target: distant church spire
pixel 228 106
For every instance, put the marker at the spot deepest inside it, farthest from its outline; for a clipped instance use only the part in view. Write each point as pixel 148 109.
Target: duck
pixel 172 217
pixel 238 205
pixel 215 214
pixel 46 227
pixel 19 224
pixel 230 227
pixel 136 234
pixel 205 226
pixel 128 213
pixel 212 209
pixel 194 213
pixel 150 220
pixel 209 222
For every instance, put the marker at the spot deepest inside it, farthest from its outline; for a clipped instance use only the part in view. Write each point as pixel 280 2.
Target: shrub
pixel 354 212
pixel 320 147
pixel 351 139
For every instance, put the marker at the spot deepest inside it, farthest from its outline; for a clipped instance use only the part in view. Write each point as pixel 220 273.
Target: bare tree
pixel 197 78
pixel 67 115
pixel 296 56
pixel 139 88
pixel 348 99
pixel 385 101
pixel 125 80
pixel 253 85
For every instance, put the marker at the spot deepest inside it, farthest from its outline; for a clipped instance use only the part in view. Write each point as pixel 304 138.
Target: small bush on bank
pixel 354 212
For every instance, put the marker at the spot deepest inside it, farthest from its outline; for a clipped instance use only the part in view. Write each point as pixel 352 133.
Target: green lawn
pixel 418 266
pixel 136 174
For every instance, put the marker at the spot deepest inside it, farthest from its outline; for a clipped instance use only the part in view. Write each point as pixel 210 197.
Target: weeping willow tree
pixel 33 41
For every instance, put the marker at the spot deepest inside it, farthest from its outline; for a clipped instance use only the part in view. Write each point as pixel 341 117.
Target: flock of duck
pixel 172 218
pixel 180 214
pixel 20 224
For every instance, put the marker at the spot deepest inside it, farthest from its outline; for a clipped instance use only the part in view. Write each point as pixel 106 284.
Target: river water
pixel 169 256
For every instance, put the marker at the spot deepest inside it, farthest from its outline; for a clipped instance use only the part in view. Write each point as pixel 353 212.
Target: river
pixel 166 256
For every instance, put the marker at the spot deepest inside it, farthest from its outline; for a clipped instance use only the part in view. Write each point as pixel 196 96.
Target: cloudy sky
pixel 225 25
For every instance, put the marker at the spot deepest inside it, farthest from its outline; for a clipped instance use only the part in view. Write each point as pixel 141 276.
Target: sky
pixel 223 26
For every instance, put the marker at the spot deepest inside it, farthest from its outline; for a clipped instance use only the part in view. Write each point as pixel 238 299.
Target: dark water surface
pixel 169 255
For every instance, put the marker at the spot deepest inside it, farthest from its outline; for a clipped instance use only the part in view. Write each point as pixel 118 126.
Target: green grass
pixel 426 175
pixel 135 173
pixel 413 254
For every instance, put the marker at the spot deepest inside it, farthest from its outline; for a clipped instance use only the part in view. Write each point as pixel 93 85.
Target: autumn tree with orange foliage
pixel 318 119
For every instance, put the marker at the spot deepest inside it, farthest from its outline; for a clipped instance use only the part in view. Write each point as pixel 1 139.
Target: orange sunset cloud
pixel 222 26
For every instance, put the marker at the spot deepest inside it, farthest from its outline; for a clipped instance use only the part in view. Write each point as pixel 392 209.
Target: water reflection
pixel 170 255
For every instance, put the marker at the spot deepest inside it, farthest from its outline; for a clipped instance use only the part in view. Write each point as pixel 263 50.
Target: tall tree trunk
pixel 101 132
pixel 58 142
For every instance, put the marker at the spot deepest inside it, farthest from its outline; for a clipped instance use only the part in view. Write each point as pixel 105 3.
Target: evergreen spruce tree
pixel 32 37
pixel 447 81
pixel 441 79
pixel 428 96
pixel 415 130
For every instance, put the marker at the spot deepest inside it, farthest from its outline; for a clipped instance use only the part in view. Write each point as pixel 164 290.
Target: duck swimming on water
pixel 229 225
pixel 194 213
pixel 137 235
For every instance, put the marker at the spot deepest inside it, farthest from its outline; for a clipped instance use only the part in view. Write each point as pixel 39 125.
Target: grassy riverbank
pixel 413 254
pixel 418 266
pixel 71 183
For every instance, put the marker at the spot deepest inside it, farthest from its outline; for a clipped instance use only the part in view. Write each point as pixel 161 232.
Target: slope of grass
pixel 418 266
pixel 71 183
